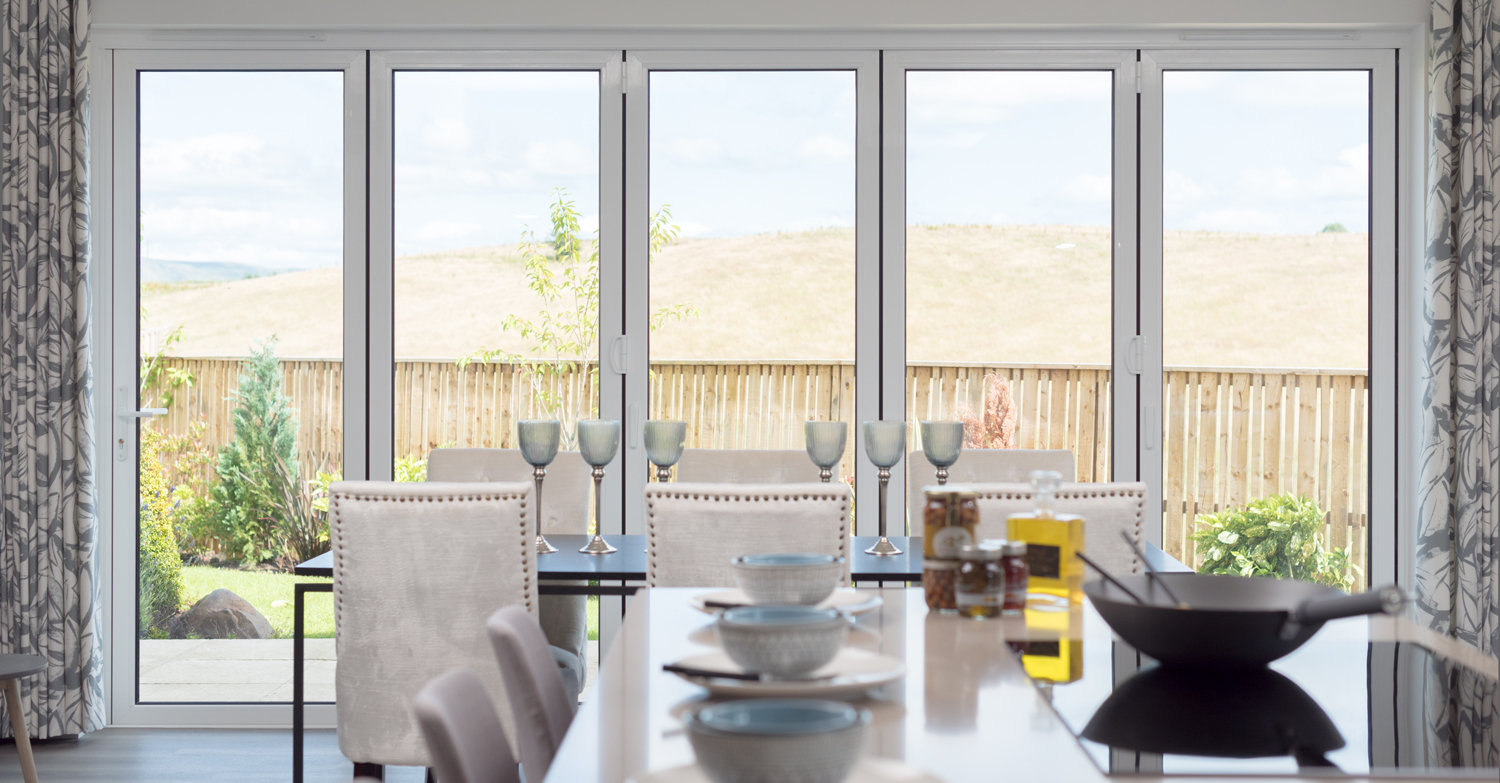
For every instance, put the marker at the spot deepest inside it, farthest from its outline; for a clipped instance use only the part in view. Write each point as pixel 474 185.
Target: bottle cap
pixel 1015 548
pixel 984 550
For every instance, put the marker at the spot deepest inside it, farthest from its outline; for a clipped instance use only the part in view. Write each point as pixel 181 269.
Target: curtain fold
pixel 48 592
pixel 1456 582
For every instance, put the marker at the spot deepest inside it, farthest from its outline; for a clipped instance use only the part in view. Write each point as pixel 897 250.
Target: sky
pixel 247 167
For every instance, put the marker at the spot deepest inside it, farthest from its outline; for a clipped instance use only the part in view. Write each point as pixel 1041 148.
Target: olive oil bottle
pixel 1052 541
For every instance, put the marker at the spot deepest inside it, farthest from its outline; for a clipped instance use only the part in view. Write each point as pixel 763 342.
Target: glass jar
pixel 1017 575
pixel 938 584
pixel 981 580
pixel 950 520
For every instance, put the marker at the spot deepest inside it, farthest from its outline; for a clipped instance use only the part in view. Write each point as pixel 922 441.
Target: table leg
pixel 12 690
pixel 298 661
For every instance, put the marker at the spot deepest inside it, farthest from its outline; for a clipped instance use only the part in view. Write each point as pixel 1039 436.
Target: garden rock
pixel 221 615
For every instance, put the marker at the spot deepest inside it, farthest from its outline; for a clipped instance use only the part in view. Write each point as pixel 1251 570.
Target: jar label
pixel 947 541
pixel 1044 561
pixel 980 599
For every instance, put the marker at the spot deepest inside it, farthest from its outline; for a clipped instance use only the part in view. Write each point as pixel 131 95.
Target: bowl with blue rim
pixel 784 578
pixel 785 641
pixel 780 740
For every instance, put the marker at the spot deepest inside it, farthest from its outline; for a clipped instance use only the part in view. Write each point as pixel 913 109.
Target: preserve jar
pixel 981 580
pixel 938 584
pixel 1017 575
pixel 950 519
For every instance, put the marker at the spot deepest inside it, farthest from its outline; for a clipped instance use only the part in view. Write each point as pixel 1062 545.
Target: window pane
pixel 1266 290
pixel 497 187
pixel 241 337
pixel 752 290
pixel 1008 262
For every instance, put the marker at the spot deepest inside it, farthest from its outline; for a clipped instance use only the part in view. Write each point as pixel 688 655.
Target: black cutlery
pixel 690 671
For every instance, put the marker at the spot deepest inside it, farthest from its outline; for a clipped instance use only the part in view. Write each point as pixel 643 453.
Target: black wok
pixel 1232 621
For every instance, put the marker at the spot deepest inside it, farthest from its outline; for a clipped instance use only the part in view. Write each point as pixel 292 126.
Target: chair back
pixel 565 491
pixel 694 530
pixel 1106 508
pixel 417 568
pixel 746 466
pixel 460 726
pixel 539 703
pixel 983 466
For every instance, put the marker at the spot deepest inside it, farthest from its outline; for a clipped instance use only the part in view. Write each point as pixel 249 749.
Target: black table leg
pixel 297 663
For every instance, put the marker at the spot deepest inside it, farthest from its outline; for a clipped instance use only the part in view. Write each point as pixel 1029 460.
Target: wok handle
pixel 1381 600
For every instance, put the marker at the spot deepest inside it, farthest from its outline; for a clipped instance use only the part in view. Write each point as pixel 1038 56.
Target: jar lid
pixel 1015 548
pixel 939 490
pixel 984 550
pixel 934 564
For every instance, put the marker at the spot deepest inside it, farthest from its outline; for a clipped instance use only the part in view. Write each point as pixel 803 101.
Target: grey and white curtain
pixel 1458 528
pixel 48 595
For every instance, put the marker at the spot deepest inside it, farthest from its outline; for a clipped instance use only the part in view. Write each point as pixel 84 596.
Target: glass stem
pixel 885 481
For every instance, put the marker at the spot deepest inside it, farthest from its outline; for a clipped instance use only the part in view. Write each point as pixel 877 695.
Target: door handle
pixel 143 413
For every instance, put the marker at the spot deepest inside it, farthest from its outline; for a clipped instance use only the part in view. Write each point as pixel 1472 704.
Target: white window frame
pixel 115 250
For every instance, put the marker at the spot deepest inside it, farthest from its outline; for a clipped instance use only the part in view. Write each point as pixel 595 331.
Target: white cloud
pixel 691 229
pixel 560 156
pixel 693 149
pixel 1088 188
pixel 825 147
pixel 447 134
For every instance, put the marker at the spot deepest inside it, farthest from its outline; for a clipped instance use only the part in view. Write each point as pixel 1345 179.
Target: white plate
pixel 844 599
pixel 867 770
pixel 857 671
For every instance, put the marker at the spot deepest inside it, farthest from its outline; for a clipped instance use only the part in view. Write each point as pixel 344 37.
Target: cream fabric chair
pixel 1106 508
pixel 746 466
pixel 461 728
pixel 565 510
pixel 417 568
pixel 694 530
pixel 540 705
pixel 983 466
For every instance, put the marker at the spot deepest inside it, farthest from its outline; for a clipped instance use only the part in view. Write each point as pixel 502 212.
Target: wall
pixel 762 13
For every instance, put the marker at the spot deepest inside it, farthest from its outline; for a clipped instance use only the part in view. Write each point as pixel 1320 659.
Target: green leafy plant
pixel 257 498
pixel 160 379
pixel 191 460
pixel 160 563
pixel 1272 536
pixel 564 273
pixel 410 468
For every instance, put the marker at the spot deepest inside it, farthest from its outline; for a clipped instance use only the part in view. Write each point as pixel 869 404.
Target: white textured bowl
pixel 783 579
pixel 777 740
pixel 785 641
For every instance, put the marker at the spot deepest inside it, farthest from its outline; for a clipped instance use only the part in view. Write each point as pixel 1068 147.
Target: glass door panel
pixel 1008 262
pixel 752 188
pixel 1265 345
pixel 241 347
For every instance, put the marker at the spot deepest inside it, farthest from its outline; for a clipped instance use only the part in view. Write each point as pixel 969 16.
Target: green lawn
pixel 264 589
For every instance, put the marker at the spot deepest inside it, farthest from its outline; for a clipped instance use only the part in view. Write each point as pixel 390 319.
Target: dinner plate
pixel 855 672
pixel 844 599
pixel 868 769
pixel 859 636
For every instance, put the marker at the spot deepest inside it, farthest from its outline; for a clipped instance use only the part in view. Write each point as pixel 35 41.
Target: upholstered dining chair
pixel 1106 508
pixel 541 703
pixel 746 466
pixel 983 466
pixel 465 739
pixel 417 568
pixel 694 530
pixel 565 510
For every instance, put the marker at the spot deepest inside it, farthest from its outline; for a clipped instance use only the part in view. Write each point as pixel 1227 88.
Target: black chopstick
pixel 723 604
pixel 1151 571
pixel 1108 578
pixel 719 675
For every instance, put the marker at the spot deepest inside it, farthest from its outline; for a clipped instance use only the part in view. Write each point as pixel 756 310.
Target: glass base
pixel 598 546
pixel 883 548
pixel 543 546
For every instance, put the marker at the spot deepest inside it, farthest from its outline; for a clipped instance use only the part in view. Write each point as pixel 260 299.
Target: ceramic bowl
pixel 788 578
pixel 777 740
pixel 786 641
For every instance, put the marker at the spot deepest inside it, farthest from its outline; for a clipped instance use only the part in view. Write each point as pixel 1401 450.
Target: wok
pixel 1230 621
pixel 1243 714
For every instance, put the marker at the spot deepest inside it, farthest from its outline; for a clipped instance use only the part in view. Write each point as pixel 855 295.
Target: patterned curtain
pixel 1457 582
pixel 48 595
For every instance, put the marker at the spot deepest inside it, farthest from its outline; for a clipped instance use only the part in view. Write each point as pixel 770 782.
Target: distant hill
pixel 1015 294
pixel 157 270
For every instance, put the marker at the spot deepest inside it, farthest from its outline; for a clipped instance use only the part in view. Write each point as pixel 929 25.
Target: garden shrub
pixel 1272 536
pixel 256 501
pixel 160 563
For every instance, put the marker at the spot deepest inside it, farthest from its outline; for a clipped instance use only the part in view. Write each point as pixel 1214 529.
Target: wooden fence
pixel 1231 434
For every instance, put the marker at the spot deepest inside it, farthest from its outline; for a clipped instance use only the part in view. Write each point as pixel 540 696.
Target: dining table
pixel 1017 698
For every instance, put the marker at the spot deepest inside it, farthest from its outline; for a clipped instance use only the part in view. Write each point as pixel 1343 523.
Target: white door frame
pixel 1122 64
pixel 867 395
pixel 117 252
pixel 1385 215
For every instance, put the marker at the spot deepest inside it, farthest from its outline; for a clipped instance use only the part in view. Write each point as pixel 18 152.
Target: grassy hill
pixel 974 293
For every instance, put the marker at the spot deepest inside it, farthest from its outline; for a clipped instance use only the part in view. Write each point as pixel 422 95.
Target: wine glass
pixel 942 442
pixel 825 445
pixel 539 439
pixel 664 441
pixel 598 441
pixel 885 442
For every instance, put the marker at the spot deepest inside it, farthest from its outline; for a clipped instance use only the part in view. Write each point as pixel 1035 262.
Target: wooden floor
pixel 184 755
